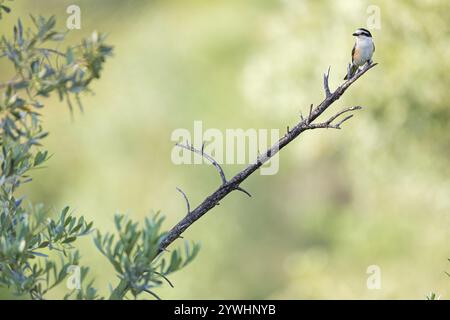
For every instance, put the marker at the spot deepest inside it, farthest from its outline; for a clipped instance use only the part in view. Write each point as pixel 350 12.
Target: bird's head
pixel 361 32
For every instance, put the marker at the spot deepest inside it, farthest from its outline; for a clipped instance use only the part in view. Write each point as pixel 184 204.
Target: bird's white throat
pixel 363 41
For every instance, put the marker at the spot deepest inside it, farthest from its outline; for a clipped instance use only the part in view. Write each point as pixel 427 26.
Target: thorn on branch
pixel 326 86
pixel 310 112
pixel 207 157
pixel 244 191
pixel 188 206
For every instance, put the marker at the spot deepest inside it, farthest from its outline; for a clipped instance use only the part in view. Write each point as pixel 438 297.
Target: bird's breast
pixel 363 52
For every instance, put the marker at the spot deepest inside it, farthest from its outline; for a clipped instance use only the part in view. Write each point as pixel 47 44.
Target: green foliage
pixel 36 251
pixel 25 234
pixel 136 257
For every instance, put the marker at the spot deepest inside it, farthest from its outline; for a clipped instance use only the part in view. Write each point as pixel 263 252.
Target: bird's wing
pixel 353 52
pixel 373 44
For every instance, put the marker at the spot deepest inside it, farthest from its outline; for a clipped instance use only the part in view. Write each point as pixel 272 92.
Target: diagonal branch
pixel 234 184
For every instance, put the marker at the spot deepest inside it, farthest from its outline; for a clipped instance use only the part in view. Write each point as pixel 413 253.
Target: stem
pixel 120 291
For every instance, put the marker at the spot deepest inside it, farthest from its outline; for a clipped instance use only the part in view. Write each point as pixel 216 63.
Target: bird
pixel 362 50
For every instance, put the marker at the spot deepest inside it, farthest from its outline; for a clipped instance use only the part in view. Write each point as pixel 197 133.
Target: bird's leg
pixel 368 62
pixel 349 70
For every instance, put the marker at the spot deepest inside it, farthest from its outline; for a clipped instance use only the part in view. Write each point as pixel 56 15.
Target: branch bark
pixel 233 184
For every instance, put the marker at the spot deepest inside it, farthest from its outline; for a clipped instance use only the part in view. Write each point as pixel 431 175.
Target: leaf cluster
pixel 36 251
pixel 27 238
pixel 135 255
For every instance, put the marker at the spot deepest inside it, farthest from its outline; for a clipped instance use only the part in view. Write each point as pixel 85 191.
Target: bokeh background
pixel 375 193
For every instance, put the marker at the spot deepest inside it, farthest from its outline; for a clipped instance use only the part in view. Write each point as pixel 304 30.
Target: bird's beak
pixel 355 34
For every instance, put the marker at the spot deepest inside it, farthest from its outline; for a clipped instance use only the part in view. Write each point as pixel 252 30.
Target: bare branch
pixel 188 206
pixel 207 157
pixel 233 184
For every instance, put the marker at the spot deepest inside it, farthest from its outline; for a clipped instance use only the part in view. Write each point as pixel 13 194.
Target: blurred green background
pixel 375 193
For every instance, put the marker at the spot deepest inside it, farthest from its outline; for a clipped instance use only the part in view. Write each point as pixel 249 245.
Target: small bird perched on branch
pixel 362 50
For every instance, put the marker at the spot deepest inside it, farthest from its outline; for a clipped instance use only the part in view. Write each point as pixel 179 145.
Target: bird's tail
pixel 353 69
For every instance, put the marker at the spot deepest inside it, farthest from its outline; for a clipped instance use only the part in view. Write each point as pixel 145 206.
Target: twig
pixel 54 51
pixel 234 184
pixel 188 206
pixel 206 156
pixel 328 123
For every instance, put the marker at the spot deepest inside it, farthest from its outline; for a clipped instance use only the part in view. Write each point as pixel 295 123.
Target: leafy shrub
pixel 38 252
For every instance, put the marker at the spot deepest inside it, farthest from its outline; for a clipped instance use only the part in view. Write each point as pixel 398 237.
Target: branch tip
pixel 326 85
pixel 338 126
